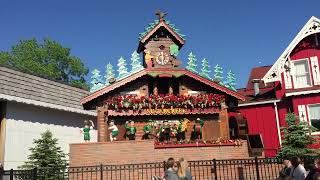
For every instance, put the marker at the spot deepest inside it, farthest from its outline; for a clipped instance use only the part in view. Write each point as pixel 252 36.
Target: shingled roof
pixel 29 89
pixel 258 73
pixel 267 91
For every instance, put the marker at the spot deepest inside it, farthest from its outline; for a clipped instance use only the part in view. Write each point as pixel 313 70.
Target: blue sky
pixel 238 35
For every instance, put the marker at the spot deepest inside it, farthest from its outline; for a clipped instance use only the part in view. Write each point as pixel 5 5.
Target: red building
pixel 291 84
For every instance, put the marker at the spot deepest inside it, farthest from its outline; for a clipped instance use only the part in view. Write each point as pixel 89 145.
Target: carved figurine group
pixel 163 131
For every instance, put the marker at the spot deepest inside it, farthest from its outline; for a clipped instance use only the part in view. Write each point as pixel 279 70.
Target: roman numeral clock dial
pixel 162 58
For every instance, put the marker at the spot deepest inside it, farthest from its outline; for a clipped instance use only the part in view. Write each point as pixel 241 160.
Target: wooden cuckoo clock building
pixel 161 91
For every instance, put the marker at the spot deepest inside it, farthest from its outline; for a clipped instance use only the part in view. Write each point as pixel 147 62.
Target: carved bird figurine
pixel 160 14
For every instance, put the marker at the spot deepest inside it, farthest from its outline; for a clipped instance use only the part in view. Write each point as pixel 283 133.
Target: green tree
pixel 48 59
pixel 192 62
pixel 205 69
pixel 47 157
pixel 296 138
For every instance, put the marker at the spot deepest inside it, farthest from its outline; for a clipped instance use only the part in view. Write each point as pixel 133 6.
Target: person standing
pixel 171 172
pixel 297 172
pixel 1 171
pixel 183 171
pixel 287 167
pixel 315 171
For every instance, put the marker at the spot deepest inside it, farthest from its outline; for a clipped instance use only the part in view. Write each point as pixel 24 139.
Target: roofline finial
pixel 160 15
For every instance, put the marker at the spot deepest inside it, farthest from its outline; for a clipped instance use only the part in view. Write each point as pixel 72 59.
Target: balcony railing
pixel 138 103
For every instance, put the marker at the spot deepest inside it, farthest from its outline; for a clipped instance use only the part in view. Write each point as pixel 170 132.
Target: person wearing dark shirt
pixel 315 171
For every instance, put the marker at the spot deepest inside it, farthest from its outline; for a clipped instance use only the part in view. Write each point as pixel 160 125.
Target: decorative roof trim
pixel 165 25
pixel 113 86
pixel 46 105
pixel 258 103
pixel 215 85
pixel 274 74
pixel 166 71
pixel 302 93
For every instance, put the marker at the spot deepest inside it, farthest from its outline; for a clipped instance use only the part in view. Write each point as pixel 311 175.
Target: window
pixel 302 74
pixel 314 115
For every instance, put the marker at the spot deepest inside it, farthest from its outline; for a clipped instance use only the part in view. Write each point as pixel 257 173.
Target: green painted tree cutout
pixel 122 68
pixel 205 69
pixel 109 73
pixel 96 81
pixel 135 62
pixel 231 81
pixel 218 74
pixel 174 50
pixel 192 63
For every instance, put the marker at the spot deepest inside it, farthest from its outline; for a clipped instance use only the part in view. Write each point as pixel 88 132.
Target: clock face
pixel 162 58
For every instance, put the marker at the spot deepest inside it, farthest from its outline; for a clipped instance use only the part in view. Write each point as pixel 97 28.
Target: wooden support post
pixel 224 123
pixel 101 124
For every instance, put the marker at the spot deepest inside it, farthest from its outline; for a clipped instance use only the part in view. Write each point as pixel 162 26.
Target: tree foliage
pixel 296 138
pixel 46 156
pixel 48 59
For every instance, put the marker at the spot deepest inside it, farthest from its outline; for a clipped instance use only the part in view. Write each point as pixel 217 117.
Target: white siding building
pixel 29 105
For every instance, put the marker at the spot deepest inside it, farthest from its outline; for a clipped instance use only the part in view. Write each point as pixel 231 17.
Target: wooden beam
pixel 224 124
pixel 101 125
pixel 181 111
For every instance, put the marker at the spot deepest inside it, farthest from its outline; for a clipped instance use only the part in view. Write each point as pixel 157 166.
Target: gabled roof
pixel 169 27
pixel 266 93
pixel 258 73
pixel 311 27
pixel 176 72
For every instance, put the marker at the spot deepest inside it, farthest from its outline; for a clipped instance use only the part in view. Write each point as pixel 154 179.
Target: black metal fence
pixel 244 169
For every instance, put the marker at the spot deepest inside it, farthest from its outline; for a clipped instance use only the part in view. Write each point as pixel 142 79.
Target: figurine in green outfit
pixel 114 131
pixel 197 129
pixel 88 125
pixel 147 130
pixel 130 130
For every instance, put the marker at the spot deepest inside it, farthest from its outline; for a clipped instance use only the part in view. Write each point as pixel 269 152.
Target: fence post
pixel 1 172
pixel 257 167
pixel 101 171
pixel 164 166
pixel 11 174
pixel 34 173
pixel 215 169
